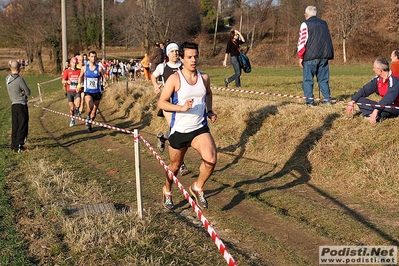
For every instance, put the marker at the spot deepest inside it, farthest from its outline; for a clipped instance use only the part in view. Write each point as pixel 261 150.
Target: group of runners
pixel 84 79
pixel 185 101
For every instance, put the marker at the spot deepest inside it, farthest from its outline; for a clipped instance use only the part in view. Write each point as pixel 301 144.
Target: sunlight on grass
pixel 317 169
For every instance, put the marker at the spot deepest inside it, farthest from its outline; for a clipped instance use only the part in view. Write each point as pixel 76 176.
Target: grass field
pixel 289 178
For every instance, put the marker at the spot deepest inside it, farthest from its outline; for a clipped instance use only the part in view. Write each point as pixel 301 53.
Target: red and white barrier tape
pixel 267 93
pixel 301 97
pixel 378 105
pixel 222 248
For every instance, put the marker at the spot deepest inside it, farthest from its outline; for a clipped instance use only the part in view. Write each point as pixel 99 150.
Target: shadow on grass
pixel 299 163
pixel 254 123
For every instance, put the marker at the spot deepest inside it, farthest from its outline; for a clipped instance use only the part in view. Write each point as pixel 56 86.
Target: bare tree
pixel 354 19
pixel 25 31
pixel 347 16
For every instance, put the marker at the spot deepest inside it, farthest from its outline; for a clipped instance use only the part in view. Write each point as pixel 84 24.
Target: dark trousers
pixel 20 124
pixel 367 110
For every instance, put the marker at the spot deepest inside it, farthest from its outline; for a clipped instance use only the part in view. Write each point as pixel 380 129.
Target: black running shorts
pixel 96 96
pixel 180 140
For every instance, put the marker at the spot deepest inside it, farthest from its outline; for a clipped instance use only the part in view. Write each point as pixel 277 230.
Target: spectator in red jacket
pixel 395 62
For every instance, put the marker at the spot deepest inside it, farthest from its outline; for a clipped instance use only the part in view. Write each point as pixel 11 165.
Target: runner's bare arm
pixel 209 98
pixel 80 78
pixel 172 85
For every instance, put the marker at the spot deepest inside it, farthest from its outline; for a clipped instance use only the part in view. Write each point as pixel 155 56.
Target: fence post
pixel 40 91
pixel 127 85
pixel 138 173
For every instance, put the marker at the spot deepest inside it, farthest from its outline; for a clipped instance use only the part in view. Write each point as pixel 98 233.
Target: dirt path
pixel 247 224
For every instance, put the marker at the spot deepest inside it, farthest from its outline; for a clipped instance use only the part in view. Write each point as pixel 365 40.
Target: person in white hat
pixel 163 71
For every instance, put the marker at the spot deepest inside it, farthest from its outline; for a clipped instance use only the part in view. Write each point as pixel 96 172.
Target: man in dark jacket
pixel 384 84
pixel 314 50
pixel 157 56
pixel 18 92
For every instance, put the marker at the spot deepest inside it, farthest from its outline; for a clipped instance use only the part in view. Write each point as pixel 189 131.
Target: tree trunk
pixel 344 48
pixel 252 38
pixel 40 60
pixel 216 29
pixel 57 59
pixel 242 11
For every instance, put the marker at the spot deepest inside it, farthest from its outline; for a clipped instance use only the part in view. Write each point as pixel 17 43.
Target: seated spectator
pixel 383 84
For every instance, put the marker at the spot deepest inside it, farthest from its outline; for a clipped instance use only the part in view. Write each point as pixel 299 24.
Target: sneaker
pixel 167 201
pixel 330 101
pixel 77 113
pixel 21 148
pixel 87 118
pixel 310 104
pixel 184 170
pixel 199 197
pixel 226 82
pixel 161 142
pixel 72 123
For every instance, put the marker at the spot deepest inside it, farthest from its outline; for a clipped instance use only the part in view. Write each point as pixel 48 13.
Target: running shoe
pixel 167 201
pixel 184 170
pixel 87 118
pixel 72 123
pixel 89 128
pixel 21 148
pixel 199 197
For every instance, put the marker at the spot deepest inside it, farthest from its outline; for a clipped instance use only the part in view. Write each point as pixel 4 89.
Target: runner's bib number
pixel 92 83
pixel 74 83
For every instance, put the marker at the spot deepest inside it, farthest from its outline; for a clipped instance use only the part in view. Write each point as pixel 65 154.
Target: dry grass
pixel 97 239
pixel 331 174
pixel 338 149
pixel 333 148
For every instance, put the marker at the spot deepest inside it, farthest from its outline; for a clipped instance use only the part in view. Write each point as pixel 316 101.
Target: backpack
pixel 244 63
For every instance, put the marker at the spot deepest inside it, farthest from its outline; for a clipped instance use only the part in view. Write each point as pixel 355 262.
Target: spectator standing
pixel 164 53
pixel 70 79
pixel 233 49
pixel 191 105
pixel 383 84
pixel 315 48
pixel 18 92
pixel 395 62
pixel 146 63
pixel 157 56
pixel 132 69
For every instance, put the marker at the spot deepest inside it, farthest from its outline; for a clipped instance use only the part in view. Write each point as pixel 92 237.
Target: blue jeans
pixel 320 69
pixel 237 71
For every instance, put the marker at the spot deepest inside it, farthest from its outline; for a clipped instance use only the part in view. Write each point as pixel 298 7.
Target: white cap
pixel 171 47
